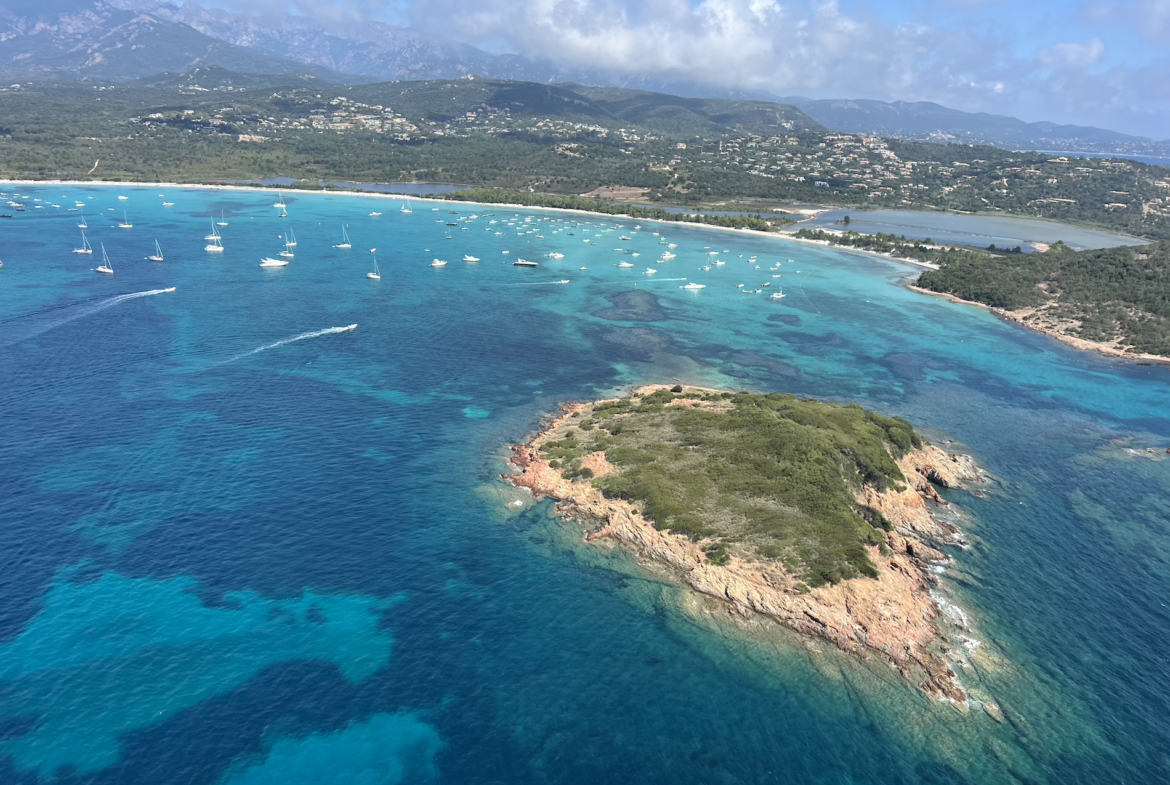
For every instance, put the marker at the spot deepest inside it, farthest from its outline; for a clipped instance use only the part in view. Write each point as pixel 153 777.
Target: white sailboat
pixel 216 244
pixel 221 221
pixel 292 238
pixel 105 267
pixel 345 243
pixel 158 254
pixel 406 208
pixel 85 248
pixel 125 222
pixel 280 203
pixel 84 224
pixel 286 253
pixel 375 276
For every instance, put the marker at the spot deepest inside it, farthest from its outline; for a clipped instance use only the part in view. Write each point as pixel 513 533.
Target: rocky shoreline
pixel 895 617
pixel 1035 319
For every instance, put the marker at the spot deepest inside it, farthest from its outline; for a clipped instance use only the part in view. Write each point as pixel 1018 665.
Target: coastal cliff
pixel 885 609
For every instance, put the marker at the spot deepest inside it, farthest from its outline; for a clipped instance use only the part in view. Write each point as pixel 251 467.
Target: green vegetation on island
pixel 1116 296
pixel 771 476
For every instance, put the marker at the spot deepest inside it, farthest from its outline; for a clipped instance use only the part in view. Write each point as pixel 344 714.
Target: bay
pixel 239 544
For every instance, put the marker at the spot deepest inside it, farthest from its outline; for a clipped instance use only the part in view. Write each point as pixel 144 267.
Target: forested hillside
pixel 564 140
pixel 1118 296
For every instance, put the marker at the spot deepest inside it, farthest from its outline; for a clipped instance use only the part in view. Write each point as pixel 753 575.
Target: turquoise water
pixel 240 546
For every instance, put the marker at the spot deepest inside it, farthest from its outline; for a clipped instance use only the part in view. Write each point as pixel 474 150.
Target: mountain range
pixel 118 40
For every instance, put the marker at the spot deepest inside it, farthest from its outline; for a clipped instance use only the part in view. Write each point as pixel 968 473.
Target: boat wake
pixel 49 318
pixel 294 339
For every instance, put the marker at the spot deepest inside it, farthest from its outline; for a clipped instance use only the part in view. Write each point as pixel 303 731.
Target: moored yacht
pixel 375 275
pixel 345 243
pixel 157 256
pixel 105 267
pixel 85 248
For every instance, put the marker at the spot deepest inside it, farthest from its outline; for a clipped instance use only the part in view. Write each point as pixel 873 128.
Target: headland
pixel 819 516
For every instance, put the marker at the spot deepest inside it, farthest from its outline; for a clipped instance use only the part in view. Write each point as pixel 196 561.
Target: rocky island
pixel 816 515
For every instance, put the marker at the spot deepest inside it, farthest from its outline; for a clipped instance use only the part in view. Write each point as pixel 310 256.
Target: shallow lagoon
pixel 974 230
pixel 237 544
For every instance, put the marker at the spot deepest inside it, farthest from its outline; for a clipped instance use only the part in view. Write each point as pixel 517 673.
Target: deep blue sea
pixel 238 546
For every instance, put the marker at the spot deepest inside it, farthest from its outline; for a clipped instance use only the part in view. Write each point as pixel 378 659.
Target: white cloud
pixel 1070 54
pixel 816 47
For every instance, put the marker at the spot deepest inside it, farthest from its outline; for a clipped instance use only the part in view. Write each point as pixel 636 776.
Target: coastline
pixel 1020 318
pixel 402 197
pixel 1077 343
pixel 897 617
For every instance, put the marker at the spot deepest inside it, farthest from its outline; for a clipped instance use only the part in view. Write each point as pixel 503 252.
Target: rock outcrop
pixel 894 616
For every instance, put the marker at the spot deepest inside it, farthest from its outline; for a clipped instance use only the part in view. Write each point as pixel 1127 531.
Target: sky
pixel 1089 62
